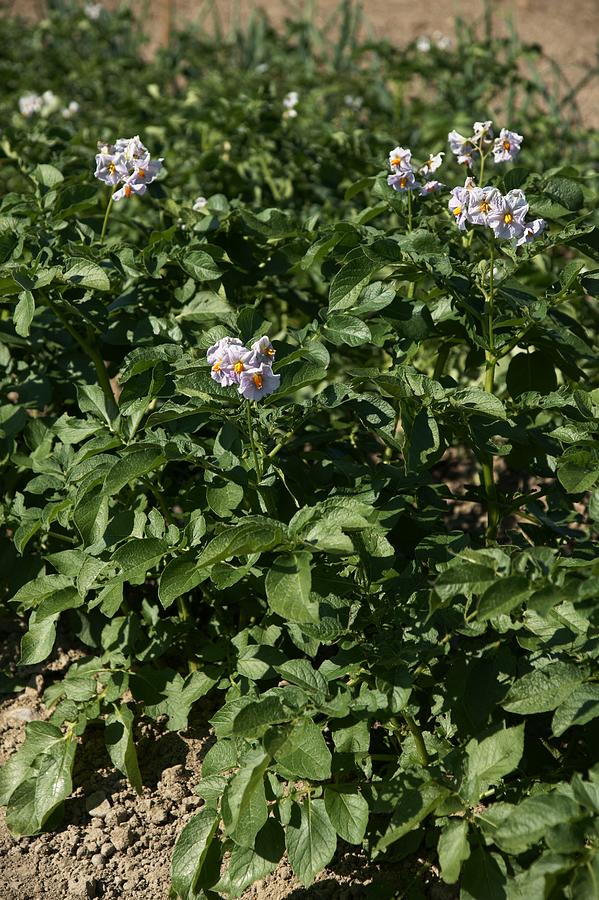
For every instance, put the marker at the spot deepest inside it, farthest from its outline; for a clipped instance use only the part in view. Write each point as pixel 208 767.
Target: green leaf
pixel 201 266
pixel 47 175
pixel 530 372
pixel 490 759
pixel 304 753
pixel 543 689
pixel 49 784
pixel 251 720
pixel 23 313
pixel 300 672
pixel 483 877
pixel 345 329
pixel 310 839
pixel 254 535
pixel 130 468
pixel 85 273
pixel 578 471
pixel 121 746
pixel 347 284
pixel 348 812
pixel 179 577
pixel 37 644
pixel 191 849
pixel 138 556
pixel 39 738
pixel 578 708
pixel 565 191
pixel 91 518
pixel 531 819
pixel 166 693
pixel 415 801
pixel 288 585
pixel 244 808
pixel 503 596
pixel 92 399
pixel 246 866
pixel 454 849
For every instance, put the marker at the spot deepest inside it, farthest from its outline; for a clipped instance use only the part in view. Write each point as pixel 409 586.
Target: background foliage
pixel 381 671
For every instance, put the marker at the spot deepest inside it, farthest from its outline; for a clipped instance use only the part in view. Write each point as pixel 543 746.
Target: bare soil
pixel 116 845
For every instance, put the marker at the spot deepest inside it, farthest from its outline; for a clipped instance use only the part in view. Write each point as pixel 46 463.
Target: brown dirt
pixel 124 853
pixel 567 30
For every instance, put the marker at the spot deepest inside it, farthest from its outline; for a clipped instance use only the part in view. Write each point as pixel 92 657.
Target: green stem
pixel 418 739
pixel 257 466
pixel 409 210
pixel 106 215
pixel 488 476
pixel 441 360
pixel 89 349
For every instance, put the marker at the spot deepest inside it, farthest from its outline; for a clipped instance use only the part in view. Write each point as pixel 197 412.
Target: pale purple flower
pixel 130 188
pixel 481 203
pixel 400 160
pixel 458 206
pixel 483 131
pixel 507 215
pixel 199 204
pixel 111 168
pixel 146 170
pixel 432 164
pixel 462 147
pixel 259 382
pixel 531 231
pixel 217 351
pixel 263 349
pixel 132 148
pixel 430 187
pixel 402 181
pixel 506 146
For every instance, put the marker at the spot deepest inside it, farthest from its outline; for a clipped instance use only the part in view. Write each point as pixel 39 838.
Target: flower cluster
pixel 403 178
pixel 250 370
pixel 482 142
pixel 45 104
pixel 93 11
pixel 505 215
pixel 128 163
pixel 290 101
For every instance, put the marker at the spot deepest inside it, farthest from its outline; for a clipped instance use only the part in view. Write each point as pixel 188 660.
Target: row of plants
pixel 240 369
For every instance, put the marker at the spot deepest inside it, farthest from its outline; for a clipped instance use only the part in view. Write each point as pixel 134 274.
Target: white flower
pixel 506 146
pixel 129 189
pixel 257 383
pixel 111 168
pixel 430 187
pixel 29 104
pixel 290 101
pixel 483 131
pixel 462 147
pixel 458 206
pixel 352 102
pixel 263 349
pixel 443 41
pixel 70 110
pixel 403 180
pixel 199 204
pixel 93 11
pixel 531 231
pixel 218 350
pixel 400 159
pixel 432 164
pixel 423 44
pixel 507 215
pixel 480 204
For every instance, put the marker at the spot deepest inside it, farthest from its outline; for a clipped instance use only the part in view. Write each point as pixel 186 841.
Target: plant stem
pixel 257 466
pixel 418 739
pixel 488 477
pixel 441 360
pixel 89 349
pixel 409 210
pixel 106 215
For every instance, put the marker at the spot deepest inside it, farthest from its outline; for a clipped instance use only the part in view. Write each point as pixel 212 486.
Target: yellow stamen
pixel 128 191
pixel 508 218
pixel 403 181
pixel 270 351
pixel 457 211
pixel 111 168
pixel 396 161
pixel 141 173
pixel 238 367
pixel 484 206
pixel 506 145
pixel 258 381
pixel 216 366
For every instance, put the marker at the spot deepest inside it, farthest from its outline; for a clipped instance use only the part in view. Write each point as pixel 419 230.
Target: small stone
pixel 122 815
pixel 122 837
pixel 98 860
pixel 97 804
pixel 107 849
pixel 22 714
pixel 158 816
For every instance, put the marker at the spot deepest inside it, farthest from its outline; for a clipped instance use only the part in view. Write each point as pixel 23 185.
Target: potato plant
pixel 246 340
